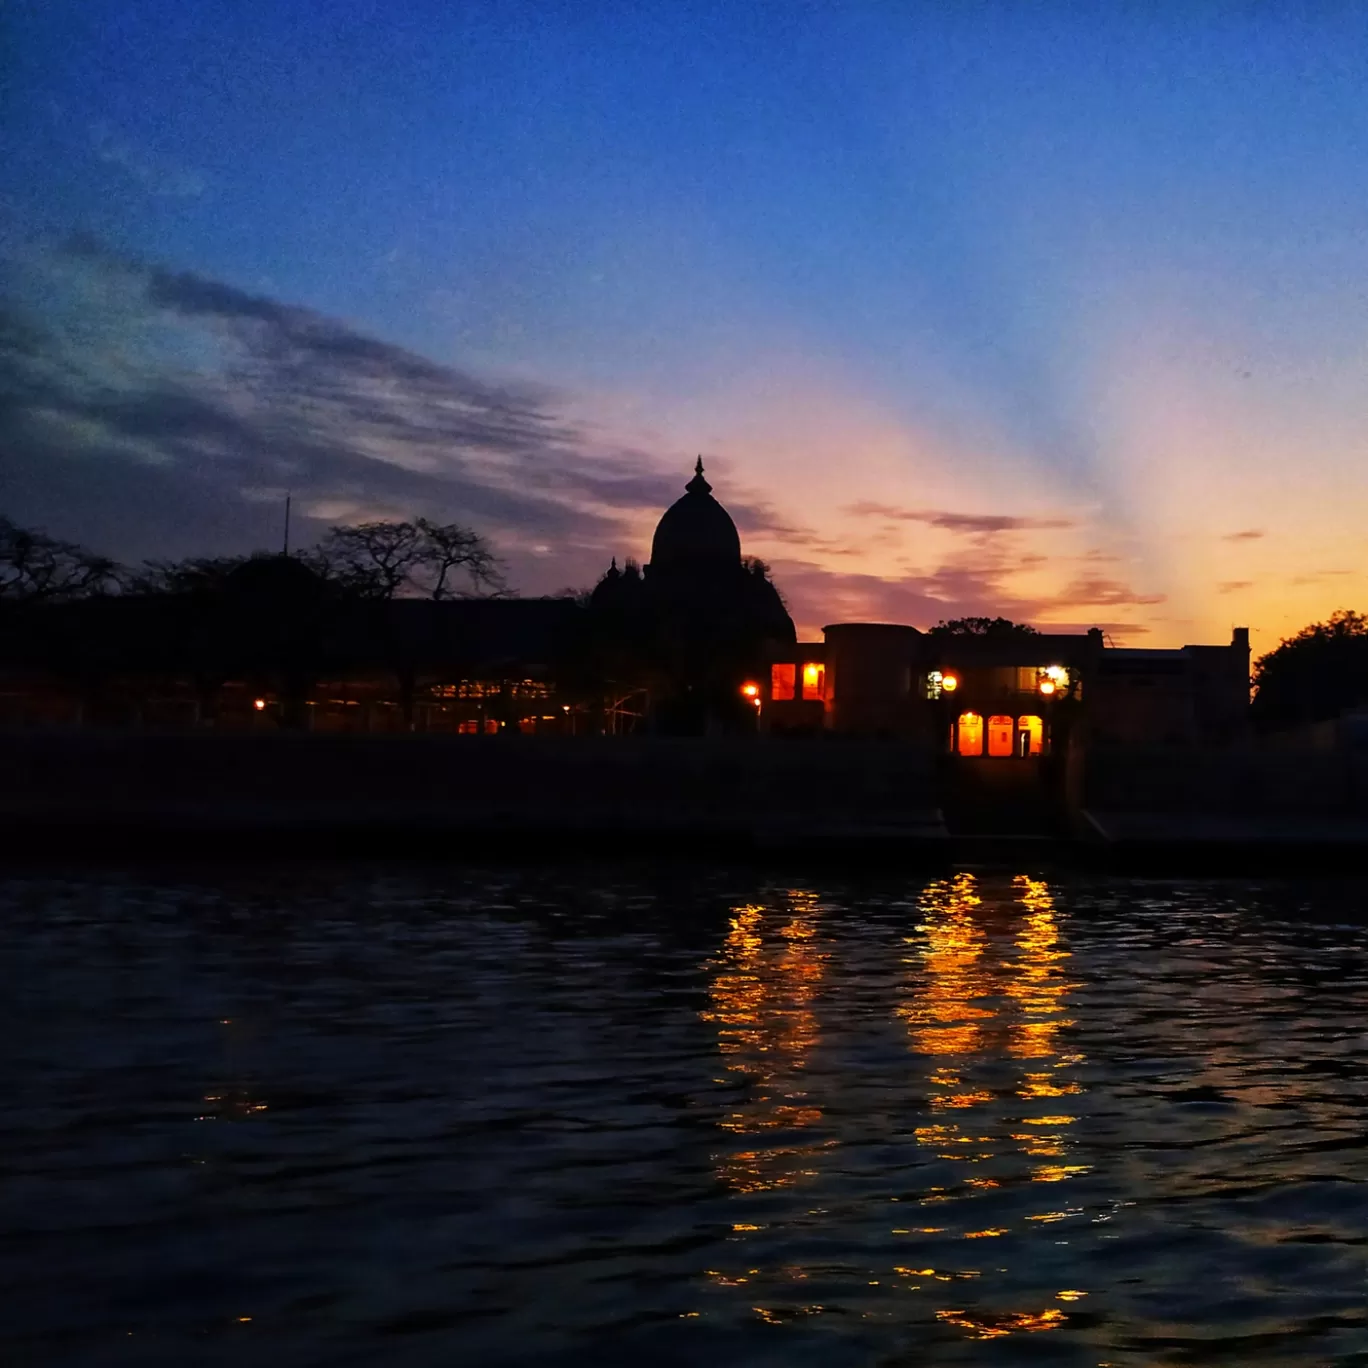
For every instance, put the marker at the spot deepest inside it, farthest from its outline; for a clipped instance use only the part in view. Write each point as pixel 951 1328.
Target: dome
pixel 695 530
pixel 273 580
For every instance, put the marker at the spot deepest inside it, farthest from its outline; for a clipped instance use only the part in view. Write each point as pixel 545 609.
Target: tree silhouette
pixel 981 627
pixel 1315 675
pixel 194 575
pixel 448 547
pixel 37 567
pixel 370 560
pixel 385 560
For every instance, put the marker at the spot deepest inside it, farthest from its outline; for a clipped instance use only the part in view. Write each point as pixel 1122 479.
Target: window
pixel 814 680
pixel 970 734
pixel 1001 736
pixel 1030 735
pixel 782 681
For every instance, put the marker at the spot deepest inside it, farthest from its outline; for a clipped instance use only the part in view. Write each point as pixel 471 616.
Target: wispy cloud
pixel 1318 576
pixel 951 591
pixel 955 522
pixel 154 412
pixel 1233 586
pixel 155 176
pixel 194 397
pixel 1249 534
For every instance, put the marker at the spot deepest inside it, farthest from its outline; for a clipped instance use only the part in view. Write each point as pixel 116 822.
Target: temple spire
pixel 698 485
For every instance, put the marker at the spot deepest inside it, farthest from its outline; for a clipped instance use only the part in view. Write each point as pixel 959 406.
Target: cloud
pixel 962 586
pixel 1318 576
pixel 183 402
pixel 151 412
pixel 155 177
pixel 955 522
pixel 1090 590
pixel 1233 586
pixel 1249 534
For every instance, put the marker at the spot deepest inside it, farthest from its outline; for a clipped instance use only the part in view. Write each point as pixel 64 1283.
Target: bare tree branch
pixel 34 566
pixel 448 547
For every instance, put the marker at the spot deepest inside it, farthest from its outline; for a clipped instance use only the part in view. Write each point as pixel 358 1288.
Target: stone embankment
pixel 74 792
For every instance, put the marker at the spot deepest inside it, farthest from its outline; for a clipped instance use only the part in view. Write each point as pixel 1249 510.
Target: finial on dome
pixel 698 485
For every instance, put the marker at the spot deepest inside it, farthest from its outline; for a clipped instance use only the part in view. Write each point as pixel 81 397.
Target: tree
pixel 384 560
pixel 982 627
pixel 1315 675
pixel 193 575
pixel 370 560
pixel 37 567
pixel 447 547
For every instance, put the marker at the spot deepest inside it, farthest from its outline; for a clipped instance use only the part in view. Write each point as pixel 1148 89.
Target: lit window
pixel 783 679
pixel 814 677
pixel 970 734
pixel 491 726
pixel 1001 735
pixel 1030 735
pixel 468 727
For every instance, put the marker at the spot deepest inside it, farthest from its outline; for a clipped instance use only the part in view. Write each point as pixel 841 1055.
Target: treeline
pixel 373 560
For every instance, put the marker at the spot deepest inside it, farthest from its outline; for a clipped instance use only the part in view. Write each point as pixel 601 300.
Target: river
pixel 602 1115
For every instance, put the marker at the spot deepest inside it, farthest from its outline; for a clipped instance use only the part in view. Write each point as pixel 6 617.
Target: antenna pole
pixel 287 525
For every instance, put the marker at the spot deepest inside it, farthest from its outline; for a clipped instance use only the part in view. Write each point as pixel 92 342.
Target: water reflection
pixel 986 986
pixel 763 988
pixel 484 1121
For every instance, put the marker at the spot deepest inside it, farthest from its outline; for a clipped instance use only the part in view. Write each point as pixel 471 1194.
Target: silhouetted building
pixel 696 641
pixel 694 624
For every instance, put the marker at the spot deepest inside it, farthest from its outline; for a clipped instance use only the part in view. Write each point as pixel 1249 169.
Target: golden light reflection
pixel 987 984
pixel 1041 989
pixel 765 981
pixel 985 1325
pixel 943 1016
pixel 1037 984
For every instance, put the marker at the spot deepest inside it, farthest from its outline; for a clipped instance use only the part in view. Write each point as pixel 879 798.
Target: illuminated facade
pixel 1008 697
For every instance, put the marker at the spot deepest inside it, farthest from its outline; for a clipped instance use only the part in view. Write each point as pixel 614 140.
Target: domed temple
pixel 697 618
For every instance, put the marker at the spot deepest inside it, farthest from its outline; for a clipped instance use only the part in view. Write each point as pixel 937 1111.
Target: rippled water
pixel 589 1116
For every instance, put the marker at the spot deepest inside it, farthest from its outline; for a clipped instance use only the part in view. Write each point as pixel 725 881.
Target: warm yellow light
pixel 1056 672
pixel 1047 687
pixel 950 683
pixel 259 704
pixel 750 690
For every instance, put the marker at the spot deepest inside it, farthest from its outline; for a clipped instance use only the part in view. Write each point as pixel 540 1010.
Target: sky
pixel 1058 312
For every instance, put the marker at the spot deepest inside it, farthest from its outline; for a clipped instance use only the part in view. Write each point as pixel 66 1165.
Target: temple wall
pixel 1300 783
pixel 182 779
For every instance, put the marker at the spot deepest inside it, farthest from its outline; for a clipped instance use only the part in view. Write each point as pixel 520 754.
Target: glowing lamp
pixel 1047 687
pixel 259 704
pixel 751 690
pixel 950 683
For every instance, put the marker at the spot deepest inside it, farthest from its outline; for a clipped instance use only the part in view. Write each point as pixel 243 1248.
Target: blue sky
pixel 1095 269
